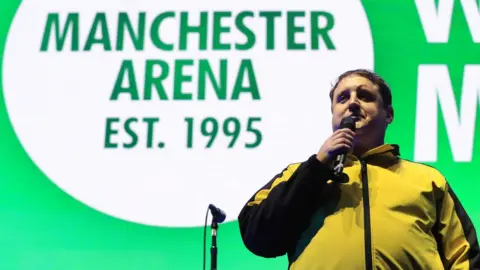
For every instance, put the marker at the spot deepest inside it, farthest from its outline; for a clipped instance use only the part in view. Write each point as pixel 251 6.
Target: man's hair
pixel 383 87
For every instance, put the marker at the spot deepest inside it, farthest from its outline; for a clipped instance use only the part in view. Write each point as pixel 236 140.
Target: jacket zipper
pixel 366 217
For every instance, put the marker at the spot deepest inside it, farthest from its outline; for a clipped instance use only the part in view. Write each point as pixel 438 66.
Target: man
pixel 391 214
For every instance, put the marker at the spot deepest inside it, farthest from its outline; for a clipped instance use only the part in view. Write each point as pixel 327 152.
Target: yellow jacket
pixel 391 214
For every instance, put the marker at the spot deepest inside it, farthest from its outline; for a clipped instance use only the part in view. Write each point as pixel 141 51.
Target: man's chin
pixel 360 128
pixel 359 125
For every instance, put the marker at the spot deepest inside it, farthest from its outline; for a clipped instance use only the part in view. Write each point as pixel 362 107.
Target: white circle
pixel 59 102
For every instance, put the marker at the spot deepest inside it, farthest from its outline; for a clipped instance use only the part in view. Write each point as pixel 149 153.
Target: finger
pixel 343 141
pixel 347 136
pixel 347 131
pixel 338 148
pixel 342 131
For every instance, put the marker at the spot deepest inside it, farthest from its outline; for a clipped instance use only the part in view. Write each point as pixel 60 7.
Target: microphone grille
pixel 348 122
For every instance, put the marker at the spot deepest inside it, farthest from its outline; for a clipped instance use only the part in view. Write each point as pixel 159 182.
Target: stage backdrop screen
pixel 121 121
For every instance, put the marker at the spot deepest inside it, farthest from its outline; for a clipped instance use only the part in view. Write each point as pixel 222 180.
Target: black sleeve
pixel 274 217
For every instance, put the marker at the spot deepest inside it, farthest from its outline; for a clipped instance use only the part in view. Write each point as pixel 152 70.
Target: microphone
pixel 347 122
pixel 217 213
pixel 218 217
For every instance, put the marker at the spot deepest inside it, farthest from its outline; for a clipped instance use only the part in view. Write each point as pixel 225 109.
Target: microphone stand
pixel 213 249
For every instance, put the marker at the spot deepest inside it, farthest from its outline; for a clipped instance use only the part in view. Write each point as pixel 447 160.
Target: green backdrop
pixel 42 227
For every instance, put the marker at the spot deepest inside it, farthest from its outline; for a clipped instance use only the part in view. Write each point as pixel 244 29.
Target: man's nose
pixel 353 105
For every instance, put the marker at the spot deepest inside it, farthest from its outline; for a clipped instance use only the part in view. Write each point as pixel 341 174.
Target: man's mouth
pixel 356 117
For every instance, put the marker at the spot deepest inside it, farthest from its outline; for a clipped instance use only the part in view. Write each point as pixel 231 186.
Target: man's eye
pixel 366 97
pixel 342 98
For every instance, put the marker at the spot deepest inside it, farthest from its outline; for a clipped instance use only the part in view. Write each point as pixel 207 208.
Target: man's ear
pixel 389 116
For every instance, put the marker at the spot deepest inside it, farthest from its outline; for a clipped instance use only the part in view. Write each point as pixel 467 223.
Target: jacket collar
pixel 392 150
pixel 389 151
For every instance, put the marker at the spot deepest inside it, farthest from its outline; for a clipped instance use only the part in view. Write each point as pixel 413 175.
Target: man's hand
pixel 341 141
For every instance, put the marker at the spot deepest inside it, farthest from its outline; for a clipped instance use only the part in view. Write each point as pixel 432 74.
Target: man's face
pixel 359 97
